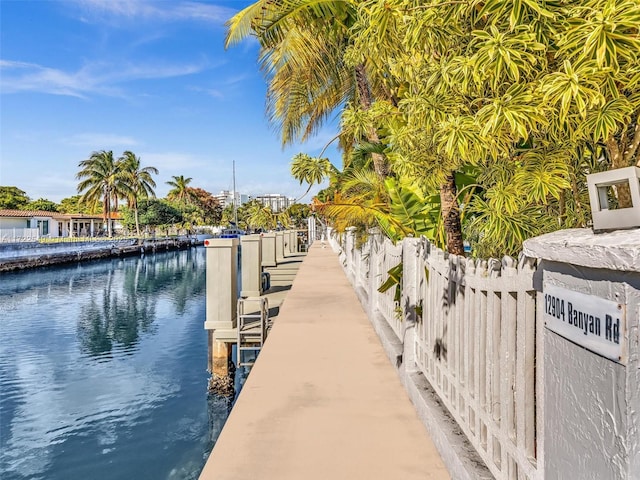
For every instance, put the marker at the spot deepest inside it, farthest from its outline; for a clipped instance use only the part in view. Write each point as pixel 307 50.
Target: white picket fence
pixel 475 340
pixel 386 257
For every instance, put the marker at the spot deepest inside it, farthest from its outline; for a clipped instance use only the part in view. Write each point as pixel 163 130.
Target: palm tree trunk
pixel 135 212
pixel 107 209
pixel 451 215
pixel 380 164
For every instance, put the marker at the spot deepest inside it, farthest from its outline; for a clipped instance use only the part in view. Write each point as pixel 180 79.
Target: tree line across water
pixel 108 184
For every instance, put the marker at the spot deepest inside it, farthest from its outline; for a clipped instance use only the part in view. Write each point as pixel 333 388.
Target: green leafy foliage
pixel 12 198
pixel 158 213
pixel 254 215
pixel 42 204
pixel 207 209
pixel 419 216
pixel 74 204
pixel 180 189
pixel 394 279
pixel 298 213
pixel 533 94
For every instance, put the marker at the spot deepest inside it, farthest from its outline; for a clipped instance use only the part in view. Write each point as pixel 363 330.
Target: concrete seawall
pixel 19 256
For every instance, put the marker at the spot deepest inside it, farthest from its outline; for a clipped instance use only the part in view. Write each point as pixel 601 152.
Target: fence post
pixel 410 301
pixel 311 231
pixel 350 243
pixel 371 286
pixel 375 272
pixel 589 302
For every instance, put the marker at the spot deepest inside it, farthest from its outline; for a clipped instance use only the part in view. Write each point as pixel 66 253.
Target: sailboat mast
pixel 235 205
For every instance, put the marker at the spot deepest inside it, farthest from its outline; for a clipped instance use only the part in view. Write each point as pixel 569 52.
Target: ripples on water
pixel 103 370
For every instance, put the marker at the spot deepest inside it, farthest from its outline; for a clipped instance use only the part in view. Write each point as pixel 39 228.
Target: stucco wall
pixel 591 403
pixel 14 223
pixel 585 413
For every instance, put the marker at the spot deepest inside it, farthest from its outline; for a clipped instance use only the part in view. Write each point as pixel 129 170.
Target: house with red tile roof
pixel 31 225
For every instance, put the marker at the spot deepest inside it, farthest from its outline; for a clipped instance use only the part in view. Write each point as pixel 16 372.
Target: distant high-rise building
pixel 225 197
pixel 276 201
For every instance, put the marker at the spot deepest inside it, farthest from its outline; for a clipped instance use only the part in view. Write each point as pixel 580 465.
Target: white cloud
pixel 121 73
pixel 96 10
pixel 22 76
pixel 229 86
pixel 238 79
pixel 94 78
pixel 201 11
pixel 212 92
pixel 103 141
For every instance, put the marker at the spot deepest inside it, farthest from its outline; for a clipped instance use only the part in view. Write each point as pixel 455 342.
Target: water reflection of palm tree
pixel 115 317
pixel 92 331
pixel 126 308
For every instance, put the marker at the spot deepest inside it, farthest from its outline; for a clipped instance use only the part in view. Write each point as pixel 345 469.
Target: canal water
pixel 103 370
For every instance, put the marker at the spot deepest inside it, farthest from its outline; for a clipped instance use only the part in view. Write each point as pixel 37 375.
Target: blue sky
pixel 150 76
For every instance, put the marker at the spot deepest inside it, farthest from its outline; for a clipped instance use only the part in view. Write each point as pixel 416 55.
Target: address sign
pixel 592 322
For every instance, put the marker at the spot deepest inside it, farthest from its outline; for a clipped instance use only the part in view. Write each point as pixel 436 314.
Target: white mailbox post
pixel 588 306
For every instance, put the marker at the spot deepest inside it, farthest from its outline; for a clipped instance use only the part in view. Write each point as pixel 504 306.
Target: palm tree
pixel 180 191
pixel 99 181
pixel 310 170
pixel 304 45
pixel 519 90
pixel 260 216
pixel 138 182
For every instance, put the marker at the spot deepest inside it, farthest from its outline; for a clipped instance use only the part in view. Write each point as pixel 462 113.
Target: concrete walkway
pixel 323 401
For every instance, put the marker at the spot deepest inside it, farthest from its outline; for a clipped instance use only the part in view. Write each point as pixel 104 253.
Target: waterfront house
pixel 84 225
pixel 31 225
pixel 27 225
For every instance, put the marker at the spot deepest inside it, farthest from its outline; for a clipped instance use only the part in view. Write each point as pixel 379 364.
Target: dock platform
pixel 322 400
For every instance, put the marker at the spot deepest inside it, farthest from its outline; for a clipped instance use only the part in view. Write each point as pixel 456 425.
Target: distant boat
pixel 232 233
pixel 201 237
